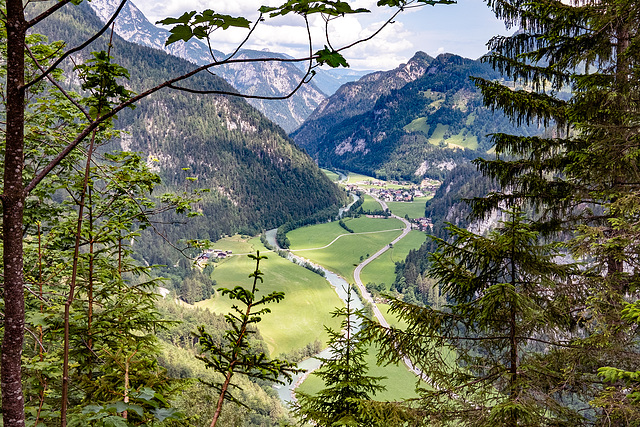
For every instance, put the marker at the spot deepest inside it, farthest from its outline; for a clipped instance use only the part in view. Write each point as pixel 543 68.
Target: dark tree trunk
pixel 13 198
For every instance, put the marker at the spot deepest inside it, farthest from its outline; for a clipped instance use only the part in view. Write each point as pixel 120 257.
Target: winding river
pixel 286 392
pixel 340 285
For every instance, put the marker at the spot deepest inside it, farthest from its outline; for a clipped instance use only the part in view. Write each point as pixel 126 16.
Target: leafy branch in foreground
pixel 237 356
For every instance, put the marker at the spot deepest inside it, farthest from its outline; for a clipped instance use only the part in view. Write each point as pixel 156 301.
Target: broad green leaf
pixel 121 407
pixel 163 413
pixel 331 58
pixel 115 421
pixel 179 32
pixel 184 19
pixel 91 409
pixel 146 393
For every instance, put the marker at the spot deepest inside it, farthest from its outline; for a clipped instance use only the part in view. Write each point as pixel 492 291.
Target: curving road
pixel 367 296
pixel 356 274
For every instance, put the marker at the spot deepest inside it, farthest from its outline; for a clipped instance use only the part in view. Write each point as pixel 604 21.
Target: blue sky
pixel 462 28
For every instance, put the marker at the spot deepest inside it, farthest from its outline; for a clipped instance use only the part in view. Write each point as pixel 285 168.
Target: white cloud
pixel 463 29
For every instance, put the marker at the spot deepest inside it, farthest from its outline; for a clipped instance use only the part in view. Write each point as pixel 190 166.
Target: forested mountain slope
pixel 271 79
pixel 355 98
pixel 423 128
pixel 256 176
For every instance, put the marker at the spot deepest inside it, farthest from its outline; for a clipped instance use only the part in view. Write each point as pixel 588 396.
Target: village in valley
pixel 399 191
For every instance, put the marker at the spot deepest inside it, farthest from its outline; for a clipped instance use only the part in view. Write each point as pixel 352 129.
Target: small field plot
pixel 315 236
pixel 365 225
pixel 413 209
pixel 352 178
pixel 390 317
pixel 463 140
pixel 331 175
pixel 382 269
pixel 349 250
pixel 399 382
pixel 236 244
pixel 299 318
pixel 418 125
pixel 369 204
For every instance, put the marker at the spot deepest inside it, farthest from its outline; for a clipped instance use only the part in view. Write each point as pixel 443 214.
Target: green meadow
pixel 413 209
pixel 296 321
pixel 382 269
pixel 331 175
pixel 349 250
pixel 369 204
pixel 353 178
pixel 418 125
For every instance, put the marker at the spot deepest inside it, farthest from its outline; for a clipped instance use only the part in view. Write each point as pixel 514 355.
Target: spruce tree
pixel 348 389
pixel 482 351
pixel 576 69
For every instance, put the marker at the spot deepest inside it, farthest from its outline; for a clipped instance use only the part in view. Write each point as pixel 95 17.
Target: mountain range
pixel 271 79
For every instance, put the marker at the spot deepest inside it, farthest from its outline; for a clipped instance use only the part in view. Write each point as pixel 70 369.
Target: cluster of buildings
pixel 399 194
pixel 422 224
pixel 213 253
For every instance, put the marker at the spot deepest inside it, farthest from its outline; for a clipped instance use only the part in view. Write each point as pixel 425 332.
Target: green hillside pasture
pixel 315 236
pixel 364 224
pixel 237 244
pixel 463 140
pixel 369 204
pixel 413 209
pixel 331 175
pixel 299 318
pixel 346 252
pixel 319 235
pixel 382 269
pixel 460 140
pixel 418 125
pixel 391 318
pixel 399 382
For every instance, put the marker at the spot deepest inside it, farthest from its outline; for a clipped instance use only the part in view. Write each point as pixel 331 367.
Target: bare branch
pixel 57 85
pixel 77 48
pixel 47 12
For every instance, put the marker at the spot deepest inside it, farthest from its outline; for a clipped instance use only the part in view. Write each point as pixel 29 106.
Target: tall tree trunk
pixel 13 199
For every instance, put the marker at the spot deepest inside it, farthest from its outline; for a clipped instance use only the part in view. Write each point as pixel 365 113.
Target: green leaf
pixel 92 409
pixel 137 409
pixel 179 32
pixel 331 58
pixel 162 414
pixel 114 421
pixel 146 393
pixel 184 19
pixel 121 407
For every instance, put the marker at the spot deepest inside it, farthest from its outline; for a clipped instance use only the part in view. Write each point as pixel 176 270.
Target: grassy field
pixel 399 381
pixel 381 270
pixel 309 298
pixel 391 318
pixel 369 204
pixel 348 250
pixel 413 209
pixel 418 125
pixel 331 175
pixel 352 178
